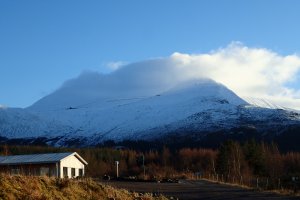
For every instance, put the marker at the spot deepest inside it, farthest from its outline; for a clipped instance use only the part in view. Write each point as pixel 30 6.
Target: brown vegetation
pixel 253 164
pixel 42 188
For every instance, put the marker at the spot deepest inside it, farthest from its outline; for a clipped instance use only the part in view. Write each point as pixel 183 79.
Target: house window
pixel 80 172
pixel 65 172
pixel 44 171
pixel 73 172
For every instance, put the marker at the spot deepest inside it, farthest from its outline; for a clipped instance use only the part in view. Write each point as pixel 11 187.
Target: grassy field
pixel 42 188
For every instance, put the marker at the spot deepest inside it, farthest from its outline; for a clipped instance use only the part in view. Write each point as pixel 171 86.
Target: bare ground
pixel 190 190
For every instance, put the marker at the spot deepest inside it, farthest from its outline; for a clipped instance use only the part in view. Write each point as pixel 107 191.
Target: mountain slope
pixel 199 106
pixel 119 118
pixel 20 123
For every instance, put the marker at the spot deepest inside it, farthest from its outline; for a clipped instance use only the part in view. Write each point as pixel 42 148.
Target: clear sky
pixel 44 43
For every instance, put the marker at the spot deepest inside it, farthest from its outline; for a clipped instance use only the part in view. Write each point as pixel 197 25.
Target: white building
pixel 62 165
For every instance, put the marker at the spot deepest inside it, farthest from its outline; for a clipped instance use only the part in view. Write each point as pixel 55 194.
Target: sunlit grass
pixel 41 188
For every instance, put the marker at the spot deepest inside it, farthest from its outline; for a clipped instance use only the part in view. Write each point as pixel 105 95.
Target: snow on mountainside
pixel 19 123
pixel 92 112
pixel 263 103
pixel 132 117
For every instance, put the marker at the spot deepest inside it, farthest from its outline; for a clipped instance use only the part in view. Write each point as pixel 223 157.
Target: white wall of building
pixel 71 162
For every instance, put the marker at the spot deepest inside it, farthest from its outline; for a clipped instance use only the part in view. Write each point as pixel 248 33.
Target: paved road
pixel 192 190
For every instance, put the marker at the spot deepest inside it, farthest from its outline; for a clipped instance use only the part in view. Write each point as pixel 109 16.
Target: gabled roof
pixel 38 158
pixel 78 157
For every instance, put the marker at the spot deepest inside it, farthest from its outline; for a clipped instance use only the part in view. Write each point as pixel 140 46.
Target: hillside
pixel 87 112
pixel 35 188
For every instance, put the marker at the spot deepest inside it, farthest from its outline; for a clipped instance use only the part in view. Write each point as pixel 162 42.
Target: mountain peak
pixel 93 108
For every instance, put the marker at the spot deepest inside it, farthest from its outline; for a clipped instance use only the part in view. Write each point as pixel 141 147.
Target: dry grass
pixel 42 188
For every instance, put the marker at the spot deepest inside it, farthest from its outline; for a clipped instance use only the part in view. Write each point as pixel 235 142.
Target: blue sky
pixel 44 43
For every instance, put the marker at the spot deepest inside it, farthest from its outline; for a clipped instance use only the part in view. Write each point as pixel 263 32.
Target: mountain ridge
pixel 199 106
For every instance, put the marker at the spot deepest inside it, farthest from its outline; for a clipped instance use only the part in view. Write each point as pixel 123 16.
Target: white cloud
pixel 250 72
pixel 115 65
pixel 254 72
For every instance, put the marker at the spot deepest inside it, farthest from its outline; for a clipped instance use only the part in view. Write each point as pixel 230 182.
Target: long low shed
pixel 62 165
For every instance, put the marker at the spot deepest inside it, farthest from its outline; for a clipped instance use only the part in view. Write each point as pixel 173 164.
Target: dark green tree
pixel 255 156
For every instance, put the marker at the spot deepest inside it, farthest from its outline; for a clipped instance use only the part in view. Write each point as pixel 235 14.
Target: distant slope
pixel 134 117
pixel 21 123
pixel 84 114
pixel 263 103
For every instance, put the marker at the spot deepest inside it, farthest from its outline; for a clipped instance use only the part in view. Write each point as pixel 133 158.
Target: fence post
pixel 279 187
pixel 256 183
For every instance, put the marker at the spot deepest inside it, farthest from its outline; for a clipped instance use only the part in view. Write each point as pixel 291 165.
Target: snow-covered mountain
pixel 134 117
pixel 91 113
pixel 21 123
pixel 264 103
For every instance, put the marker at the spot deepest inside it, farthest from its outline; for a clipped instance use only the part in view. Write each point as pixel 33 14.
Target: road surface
pixel 192 190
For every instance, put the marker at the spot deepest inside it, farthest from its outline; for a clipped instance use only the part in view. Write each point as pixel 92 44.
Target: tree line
pixel 251 163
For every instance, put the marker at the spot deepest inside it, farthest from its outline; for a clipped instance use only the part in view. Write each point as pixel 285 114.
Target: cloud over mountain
pixel 251 72
pixel 255 72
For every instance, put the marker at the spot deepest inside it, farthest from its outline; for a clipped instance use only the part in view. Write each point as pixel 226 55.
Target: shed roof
pixel 37 158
